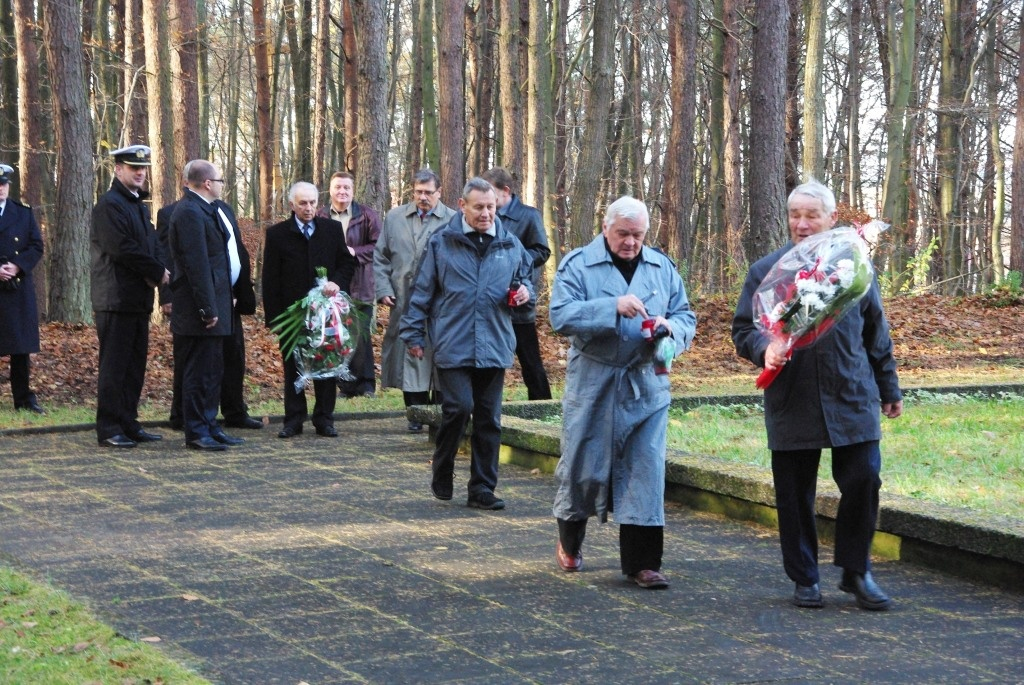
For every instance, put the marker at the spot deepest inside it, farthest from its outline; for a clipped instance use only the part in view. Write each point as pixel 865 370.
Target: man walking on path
pixel 462 302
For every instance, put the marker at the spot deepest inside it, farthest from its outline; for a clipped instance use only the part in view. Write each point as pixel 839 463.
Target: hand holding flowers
pixel 807 292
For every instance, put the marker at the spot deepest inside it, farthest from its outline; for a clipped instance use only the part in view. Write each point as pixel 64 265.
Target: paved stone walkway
pixel 327 561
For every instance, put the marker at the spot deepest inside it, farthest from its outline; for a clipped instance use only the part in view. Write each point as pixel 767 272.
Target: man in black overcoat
pixel 232 396
pixel 204 252
pixel 21 248
pixel 293 250
pixel 124 271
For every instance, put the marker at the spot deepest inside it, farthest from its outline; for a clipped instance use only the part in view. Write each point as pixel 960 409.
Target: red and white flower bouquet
pixel 810 289
pixel 317 332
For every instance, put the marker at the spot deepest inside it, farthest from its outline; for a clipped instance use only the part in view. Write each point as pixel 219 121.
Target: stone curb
pixel 951 539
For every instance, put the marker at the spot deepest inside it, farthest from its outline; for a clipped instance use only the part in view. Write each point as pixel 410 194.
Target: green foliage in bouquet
pixel 290 325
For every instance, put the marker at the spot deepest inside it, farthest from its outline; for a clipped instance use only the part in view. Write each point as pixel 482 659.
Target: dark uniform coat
pixel 20 243
pixel 526 223
pixel 829 394
pixel 122 251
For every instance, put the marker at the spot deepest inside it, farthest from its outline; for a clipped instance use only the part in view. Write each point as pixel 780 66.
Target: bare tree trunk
pixel 136 123
pixel 351 80
pixel 1017 189
pixel 539 109
pixel 556 218
pixel 584 193
pixel 482 78
pixel 264 128
pixel 300 41
pixel 452 41
pixel 203 34
pixel 372 160
pixel 853 190
pixel 767 130
pixel 950 115
pixel 509 82
pixel 431 133
pixel 794 124
pixel 414 146
pixel 814 100
pixel 322 62
pixel 31 176
pixel 733 165
pixel 185 87
pixel 67 246
pixel 8 88
pixel 996 167
pixel 678 190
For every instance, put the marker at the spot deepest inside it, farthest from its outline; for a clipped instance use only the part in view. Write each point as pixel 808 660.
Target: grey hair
pixel 301 185
pixel 426 176
pixel 627 207
pixel 478 184
pixel 817 191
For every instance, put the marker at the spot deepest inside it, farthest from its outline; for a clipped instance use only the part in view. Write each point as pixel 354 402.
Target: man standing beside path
pixel 527 224
pixel 124 270
pixel 232 389
pixel 21 248
pixel 402 241
pixel 831 394
pixel 615 407
pixel 202 245
pixel 462 302
pixel 294 249
pixel 362 229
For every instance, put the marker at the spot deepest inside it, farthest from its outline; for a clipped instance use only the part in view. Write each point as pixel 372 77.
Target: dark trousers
pixel 361 363
pixel 296 410
pixel 528 352
pixel 855 469
pixel 640 547
pixel 232 397
pixel 124 344
pixel 466 392
pixel 20 391
pixel 202 359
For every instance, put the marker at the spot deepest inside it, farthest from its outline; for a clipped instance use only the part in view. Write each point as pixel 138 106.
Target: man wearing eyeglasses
pixel 232 394
pixel 204 251
pixel 396 257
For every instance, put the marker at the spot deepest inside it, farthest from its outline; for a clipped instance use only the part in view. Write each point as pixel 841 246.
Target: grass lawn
pixel 951 448
pixel 45 637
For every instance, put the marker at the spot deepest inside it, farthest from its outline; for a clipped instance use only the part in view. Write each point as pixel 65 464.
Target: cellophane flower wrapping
pixel 810 289
pixel 317 332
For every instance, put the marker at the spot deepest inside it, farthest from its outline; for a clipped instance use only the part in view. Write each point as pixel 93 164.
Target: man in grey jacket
pixel 462 301
pixel 828 395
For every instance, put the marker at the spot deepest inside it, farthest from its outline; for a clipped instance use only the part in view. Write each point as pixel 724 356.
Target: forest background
pixel 709 111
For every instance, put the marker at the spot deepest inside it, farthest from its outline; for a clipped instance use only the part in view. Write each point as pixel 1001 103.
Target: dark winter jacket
pixel 527 224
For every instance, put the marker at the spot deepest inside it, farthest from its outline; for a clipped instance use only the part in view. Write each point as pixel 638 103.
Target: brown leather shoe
pixel 568 563
pixel 649 580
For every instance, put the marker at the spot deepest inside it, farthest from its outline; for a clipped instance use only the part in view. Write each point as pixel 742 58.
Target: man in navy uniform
pixel 124 272
pixel 21 248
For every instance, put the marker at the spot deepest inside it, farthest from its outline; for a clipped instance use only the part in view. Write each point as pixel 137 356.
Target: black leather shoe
pixel 327 432
pixel 808 596
pixel 143 436
pixel 208 444
pixel 485 500
pixel 247 422
pixel 119 440
pixel 32 406
pixel 225 439
pixel 441 489
pixel 865 590
pixel 289 432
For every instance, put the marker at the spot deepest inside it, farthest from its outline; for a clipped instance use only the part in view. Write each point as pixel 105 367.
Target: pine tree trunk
pixel 31 170
pixel 163 181
pixel 452 58
pixel 185 86
pixel 767 130
pixel 509 83
pixel 320 113
pixel 350 55
pixel 372 158
pixel 584 192
pixel 1017 189
pixel 814 104
pixel 678 190
pixel 67 240
pixel 431 133
pixel 264 127
pixel 539 109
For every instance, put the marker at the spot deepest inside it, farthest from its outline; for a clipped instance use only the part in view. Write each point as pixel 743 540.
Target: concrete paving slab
pixel 327 561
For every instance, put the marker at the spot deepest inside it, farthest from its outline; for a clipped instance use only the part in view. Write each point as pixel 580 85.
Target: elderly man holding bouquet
pixel 830 394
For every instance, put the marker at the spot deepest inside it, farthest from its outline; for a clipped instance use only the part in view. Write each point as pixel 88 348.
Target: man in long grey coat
pixel 396 256
pixel 831 394
pixel 615 407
